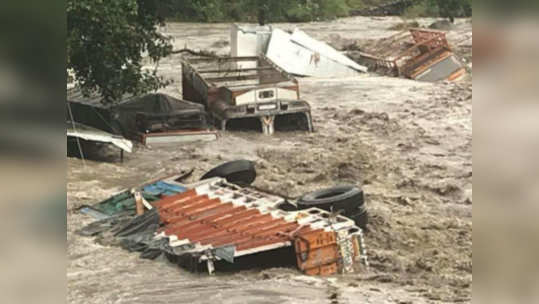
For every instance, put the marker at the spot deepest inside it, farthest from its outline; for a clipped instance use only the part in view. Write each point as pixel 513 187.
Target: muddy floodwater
pixel 408 143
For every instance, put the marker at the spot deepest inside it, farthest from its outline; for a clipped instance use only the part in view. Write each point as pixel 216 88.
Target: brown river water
pixel 409 144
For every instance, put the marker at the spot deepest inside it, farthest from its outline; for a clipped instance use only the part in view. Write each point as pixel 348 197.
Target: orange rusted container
pixel 317 252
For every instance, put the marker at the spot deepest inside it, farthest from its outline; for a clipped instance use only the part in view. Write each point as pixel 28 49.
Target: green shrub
pixel 331 9
pixel 299 10
pixel 439 8
pixel 417 10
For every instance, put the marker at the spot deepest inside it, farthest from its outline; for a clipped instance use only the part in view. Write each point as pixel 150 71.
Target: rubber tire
pixel 239 172
pixel 361 219
pixel 344 197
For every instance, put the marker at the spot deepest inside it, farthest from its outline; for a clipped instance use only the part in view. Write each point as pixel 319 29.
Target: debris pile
pixel 420 54
pixel 204 225
pixel 296 53
pixel 150 119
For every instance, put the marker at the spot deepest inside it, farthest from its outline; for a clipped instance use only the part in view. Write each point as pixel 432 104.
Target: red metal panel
pixel 196 229
pixel 179 205
pixel 182 223
pixel 234 227
pixel 246 232
pixel 244 215
pixel 163 203
pixel 317 252
pixel 207 214
pixel 218 228
pixel 202 205
pixel 273 235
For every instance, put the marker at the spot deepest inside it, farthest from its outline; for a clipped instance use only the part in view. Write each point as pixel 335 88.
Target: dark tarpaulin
pixel 132 115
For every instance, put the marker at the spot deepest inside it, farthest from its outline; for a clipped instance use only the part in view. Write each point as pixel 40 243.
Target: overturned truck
pixel 244 92
pixel 216 225
pixel 427 56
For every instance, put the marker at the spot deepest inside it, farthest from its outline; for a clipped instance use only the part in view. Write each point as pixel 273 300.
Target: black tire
pixel 239 172
pixel 345 197
pixel 361 219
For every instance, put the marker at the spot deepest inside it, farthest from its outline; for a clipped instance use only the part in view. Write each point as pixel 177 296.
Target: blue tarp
pixel 162 188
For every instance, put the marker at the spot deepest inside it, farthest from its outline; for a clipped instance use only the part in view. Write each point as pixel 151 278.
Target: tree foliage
pixel 298 10
pixel 452 8
pixel 250 10
pixel 440 8
pixel 106 40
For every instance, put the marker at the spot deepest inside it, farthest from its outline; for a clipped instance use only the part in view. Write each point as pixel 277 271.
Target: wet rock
pixel 443 24
pixel 220 44
pixel 356 112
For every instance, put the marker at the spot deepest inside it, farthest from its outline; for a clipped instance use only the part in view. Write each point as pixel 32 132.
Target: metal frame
pixel 429 47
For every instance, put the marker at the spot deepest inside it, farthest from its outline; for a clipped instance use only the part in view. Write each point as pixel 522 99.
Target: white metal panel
pixel 297 59
pixel 245 98
pixel 286 94
pixel 248 40
pixel 263 95
pixel 92 134
pixel 308 42
pixel 253 95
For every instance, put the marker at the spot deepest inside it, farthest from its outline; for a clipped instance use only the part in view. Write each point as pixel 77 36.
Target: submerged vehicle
pixel 246 91
pixel 135 115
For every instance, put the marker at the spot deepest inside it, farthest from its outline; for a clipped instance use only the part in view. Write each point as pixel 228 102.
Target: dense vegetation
pixel 440 8
pixel 299 10
pixel 106 41
pixel 251 10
